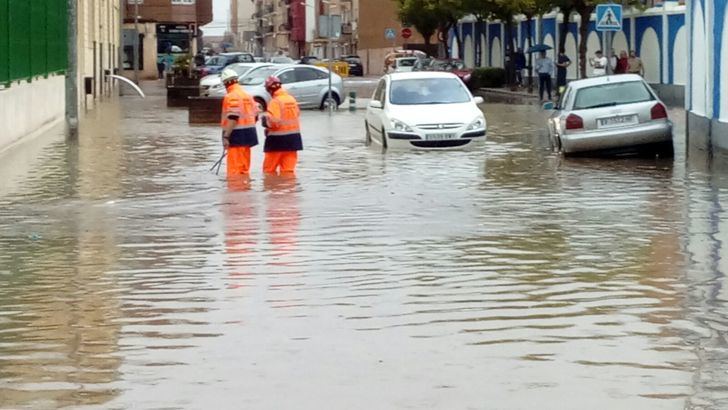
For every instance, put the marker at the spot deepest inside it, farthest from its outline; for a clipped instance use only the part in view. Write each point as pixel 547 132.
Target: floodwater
pixel 504 278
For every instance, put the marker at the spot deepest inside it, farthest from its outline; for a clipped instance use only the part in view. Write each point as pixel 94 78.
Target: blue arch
pixel 719 11
pixel 627 29
pixel 549 27
pixel 494 31
pixel 674 23
pixel 524 33
pixel 642 23
pixel 480 32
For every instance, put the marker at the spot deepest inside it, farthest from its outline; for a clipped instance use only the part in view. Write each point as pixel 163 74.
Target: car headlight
pixel 217 86
pixel 477 124
pixel 400 126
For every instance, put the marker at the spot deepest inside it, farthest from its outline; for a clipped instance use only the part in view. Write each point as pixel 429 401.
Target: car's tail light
pixel 574 122
pixel 658 112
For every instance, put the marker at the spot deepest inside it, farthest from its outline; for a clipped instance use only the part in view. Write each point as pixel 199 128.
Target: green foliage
pixel 488 77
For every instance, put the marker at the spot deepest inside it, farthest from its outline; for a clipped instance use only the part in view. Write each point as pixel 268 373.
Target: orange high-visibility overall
pixel 283 136
pixel 240 107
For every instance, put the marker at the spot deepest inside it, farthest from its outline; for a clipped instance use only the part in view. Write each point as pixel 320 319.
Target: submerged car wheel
pixel 334 97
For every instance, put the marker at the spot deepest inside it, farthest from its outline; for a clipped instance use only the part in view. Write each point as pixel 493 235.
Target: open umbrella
pixel 539 48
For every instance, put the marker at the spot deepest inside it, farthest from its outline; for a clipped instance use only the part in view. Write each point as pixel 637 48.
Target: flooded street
pixel 507 278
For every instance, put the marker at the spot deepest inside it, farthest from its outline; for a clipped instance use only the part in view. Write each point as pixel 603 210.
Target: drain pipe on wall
pixel 72 70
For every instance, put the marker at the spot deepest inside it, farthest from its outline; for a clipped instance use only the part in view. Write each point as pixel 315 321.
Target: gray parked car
pixel 308 84
pixel 610 115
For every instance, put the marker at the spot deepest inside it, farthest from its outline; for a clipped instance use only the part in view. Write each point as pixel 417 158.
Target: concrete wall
pixel 164 11
pixel 658 35
pixel 375 16
pixel 149 56
pixel 98 47
pixel 31 108
pixel 707 89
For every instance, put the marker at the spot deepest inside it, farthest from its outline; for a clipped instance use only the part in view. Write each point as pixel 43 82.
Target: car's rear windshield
pixel 240 68
pixel 407 62
pixel 428 91
pixel 258 75
pixel 612 94
pixel 217 60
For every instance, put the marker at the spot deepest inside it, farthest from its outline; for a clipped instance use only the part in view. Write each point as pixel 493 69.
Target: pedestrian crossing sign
pixel 609 17
pixel 390 34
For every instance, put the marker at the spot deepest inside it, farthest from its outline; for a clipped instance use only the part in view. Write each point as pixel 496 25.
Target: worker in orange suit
pixel 239 114
pixel 283 130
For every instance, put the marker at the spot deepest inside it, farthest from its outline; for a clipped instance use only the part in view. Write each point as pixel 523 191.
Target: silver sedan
pixel 308 84
pixel 610 115
pixel 211 85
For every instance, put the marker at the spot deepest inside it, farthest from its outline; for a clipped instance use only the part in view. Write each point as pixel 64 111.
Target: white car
pixel 424 110
pixel 211 85
pixel 611 115
pixel 308 84
pixel 404 64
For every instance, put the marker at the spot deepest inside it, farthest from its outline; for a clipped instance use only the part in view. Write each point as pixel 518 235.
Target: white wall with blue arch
pixel 658 34
pixel 707 85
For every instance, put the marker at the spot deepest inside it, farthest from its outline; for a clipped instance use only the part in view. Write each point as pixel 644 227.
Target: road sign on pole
pixel 406 33
pixel 609 17
pixel 390 34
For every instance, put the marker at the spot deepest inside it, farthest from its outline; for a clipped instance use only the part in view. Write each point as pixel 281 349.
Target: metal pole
pixel 329 100
pixel 72 71
pixel 610 70
pixel 136 41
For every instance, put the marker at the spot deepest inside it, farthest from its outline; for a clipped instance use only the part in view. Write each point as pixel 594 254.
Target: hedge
pixel 488 77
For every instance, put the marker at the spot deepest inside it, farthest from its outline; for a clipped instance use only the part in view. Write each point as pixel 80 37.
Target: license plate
pixel 617 121
pixel 439 137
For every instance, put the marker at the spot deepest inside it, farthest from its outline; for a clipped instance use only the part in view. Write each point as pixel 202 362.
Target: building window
pixel 183 2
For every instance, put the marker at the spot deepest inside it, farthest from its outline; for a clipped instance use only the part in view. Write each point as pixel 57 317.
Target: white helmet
pixel 228 74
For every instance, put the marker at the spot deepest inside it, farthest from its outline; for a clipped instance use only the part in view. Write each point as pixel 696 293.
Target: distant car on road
pixel 212 86
pixel 216 64
pixel 282 60
pixel 610 115
pixel 356 68
pixel 424 110
pixel 456 67
pixel 311 60
pixel 308 84
pixel 404 64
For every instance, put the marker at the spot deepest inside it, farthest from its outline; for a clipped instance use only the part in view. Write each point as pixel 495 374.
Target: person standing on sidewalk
pixel 520 63
pixel 634 64
pixel 545 69
pixel 283 130
pixel 599 63
pixel 562 64
pixel 239 113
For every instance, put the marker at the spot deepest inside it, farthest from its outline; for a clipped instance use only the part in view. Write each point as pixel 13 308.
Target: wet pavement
pixel 506 278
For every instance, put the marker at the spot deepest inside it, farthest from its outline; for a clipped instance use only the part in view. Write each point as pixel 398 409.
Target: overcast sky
pixel 221 16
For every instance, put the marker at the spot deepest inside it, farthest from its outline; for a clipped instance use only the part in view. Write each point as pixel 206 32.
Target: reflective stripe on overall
pixel 239 103
pixel 284 129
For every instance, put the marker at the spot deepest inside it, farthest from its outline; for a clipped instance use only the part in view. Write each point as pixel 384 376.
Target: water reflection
pixel 131 276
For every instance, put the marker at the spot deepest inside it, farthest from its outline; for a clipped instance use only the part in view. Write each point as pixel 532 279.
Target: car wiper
pixel 610 104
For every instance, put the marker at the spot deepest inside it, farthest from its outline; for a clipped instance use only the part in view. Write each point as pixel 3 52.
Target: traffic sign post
pixel 391 34
pixel 609 20
pixel 406 33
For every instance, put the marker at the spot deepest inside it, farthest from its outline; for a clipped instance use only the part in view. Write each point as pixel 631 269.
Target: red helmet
pixel 272 84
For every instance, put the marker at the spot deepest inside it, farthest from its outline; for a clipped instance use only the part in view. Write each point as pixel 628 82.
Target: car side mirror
pixel 478 100
pixel 375 104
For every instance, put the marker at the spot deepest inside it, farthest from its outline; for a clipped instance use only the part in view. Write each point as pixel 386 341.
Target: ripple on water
pixel 131 276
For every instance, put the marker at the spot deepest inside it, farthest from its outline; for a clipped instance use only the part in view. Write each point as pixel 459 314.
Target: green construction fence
pixel 33 39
